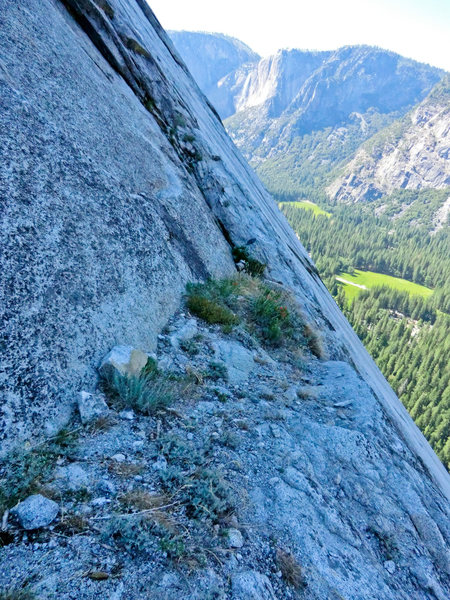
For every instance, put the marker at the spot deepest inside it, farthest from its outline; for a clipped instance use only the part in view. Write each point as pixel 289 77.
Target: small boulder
pixel 107 487
pixel 238 360
pixel 91 406
pixel 127 415
pixel 123 360
pixel 72 478
pixel 186 333
pixel 35 512
pixel 234 538
pixel 390 566
pixel 251 585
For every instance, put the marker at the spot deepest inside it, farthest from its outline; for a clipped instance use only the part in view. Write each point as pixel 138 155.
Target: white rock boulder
pixel 91 406
pixel 35 512
pixel 123 360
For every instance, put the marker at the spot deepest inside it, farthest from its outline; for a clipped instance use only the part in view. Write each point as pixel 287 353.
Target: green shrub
pixel 134 45
pixel 188 137
pixel 146 393
pixel 174 546
pixel 208 495
pixel 271 316
pixel 132 533
pixel 203 492
pixel 22 472
pixel 269 313
pixel 251 265
pixel 191 346
pixel 210 311
pixel 216 370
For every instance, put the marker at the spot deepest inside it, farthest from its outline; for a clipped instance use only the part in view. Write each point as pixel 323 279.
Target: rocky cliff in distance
pixel 298 116
pixel 221 55
pixel 411 154
pixel 118 186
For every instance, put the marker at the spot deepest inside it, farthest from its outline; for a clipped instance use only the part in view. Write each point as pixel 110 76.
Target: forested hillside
pixel 408 335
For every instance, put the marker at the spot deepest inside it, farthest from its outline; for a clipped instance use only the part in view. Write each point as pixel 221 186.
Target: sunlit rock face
pixel 412 154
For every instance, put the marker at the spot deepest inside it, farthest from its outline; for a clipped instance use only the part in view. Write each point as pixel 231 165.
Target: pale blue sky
pixel 418 29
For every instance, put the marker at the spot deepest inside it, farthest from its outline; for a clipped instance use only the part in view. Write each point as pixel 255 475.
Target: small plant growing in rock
pixel 106 8
pixel 147 392
pixel 290 568
pixel 251 265
pixel 315 342
pixel 266 311
pixel 188 137
pixel 174 547
pixel 203 492
pixel 72 524
pixel 125 469
pixel 191 347
pixel 207 495
pixel 153 505
pixel 216 370
pixel 132 533
pixel 271 316
pixel 386 541
pixel 134 45
pixel 23 472
pixel 210 311
pixel 230 439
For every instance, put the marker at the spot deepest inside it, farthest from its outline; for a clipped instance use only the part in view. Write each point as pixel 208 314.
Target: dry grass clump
pixel 143 500
pixel 154 506
pixel 72 524
pixel 125 469
pixel 102 423
pixel 315 342
pixel 307 393
pixel 290 568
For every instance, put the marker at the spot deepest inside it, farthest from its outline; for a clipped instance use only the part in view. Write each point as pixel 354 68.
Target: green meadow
pixel 306 205
pixel 367 279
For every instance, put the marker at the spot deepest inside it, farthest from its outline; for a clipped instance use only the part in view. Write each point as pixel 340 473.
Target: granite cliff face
pixel 411 154
pixel 118 186
pixel 221 55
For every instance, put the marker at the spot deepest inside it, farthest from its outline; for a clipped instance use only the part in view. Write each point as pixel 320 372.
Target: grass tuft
pixel 211 311
pixel 266 311
pixel 134 45
pixel 290 568
pixel 125 469
pixel 146 393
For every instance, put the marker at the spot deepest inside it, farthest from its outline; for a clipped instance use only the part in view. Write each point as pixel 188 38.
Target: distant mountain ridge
pixel 220 56
pixel 301 118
